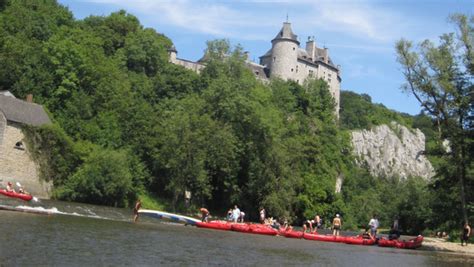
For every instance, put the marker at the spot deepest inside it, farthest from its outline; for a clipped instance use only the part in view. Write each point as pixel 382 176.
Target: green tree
pixel 440 78
pixel 104 178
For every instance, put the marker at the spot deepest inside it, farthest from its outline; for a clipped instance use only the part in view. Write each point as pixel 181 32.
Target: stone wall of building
pixel 16 164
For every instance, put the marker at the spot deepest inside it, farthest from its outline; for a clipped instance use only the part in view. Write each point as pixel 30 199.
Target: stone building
pixel 16 164
pixel 288 61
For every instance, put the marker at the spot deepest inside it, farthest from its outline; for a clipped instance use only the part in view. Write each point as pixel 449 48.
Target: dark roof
pixel 23 112
pixel 286 34
pixel 258 70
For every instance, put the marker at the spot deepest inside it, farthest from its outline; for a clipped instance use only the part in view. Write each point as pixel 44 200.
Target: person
pixel 317 222
pixel 394 232
pixel 374 224
pixel 262 215
pixel 236 213
pixel 241 216
pixel 308 224
pixel 137 207
pixel 336 225
pixel 10 187
pixel 367 234
pixel 275 224
pixel 286 226
pixel 204 214
pixel 229 215
pixel 466 232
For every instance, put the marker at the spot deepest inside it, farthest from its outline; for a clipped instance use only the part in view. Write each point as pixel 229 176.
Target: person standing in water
pixel 336 225
pixel 137 206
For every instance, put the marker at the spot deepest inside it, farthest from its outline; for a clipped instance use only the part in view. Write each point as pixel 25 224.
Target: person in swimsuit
pixel 204 214
pixel 466 232
pixel 262 215
pixel 10 187
pixel 336 225
pixel 137 206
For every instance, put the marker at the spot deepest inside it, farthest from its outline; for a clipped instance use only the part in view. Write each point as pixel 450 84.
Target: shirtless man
pixel 137 206
pixel 336 225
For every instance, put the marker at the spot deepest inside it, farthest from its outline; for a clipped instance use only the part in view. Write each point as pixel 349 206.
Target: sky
pixel 360 34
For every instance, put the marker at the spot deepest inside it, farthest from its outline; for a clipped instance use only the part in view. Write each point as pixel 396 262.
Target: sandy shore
pixel 439 244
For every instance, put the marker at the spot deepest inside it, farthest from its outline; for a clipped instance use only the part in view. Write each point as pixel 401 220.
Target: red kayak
pixel 359 240
pixel 262 229
pixel 410 244
pixel 291 234
pixel 218 225
pixel 325 238
pixel 24 197
pixel 241 227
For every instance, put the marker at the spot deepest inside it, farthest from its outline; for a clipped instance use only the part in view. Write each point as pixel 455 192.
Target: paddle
pixel 35 199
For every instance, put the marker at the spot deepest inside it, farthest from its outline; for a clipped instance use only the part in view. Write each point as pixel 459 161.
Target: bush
pixel 104 178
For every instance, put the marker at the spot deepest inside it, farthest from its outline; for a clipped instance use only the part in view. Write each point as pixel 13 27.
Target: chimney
pixel 326 55
pixel 29 98
pixel 246 55
pixel 311 47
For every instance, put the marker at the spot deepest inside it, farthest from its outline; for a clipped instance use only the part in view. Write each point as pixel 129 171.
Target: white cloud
pixel 253 19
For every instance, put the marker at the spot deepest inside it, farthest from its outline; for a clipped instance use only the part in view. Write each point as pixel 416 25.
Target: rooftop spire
pixel 286 33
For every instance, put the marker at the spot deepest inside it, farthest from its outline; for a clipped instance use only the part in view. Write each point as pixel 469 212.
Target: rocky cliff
pixel 392 151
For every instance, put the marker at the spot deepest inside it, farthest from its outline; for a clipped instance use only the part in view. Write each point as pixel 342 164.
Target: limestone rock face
pixel 392 151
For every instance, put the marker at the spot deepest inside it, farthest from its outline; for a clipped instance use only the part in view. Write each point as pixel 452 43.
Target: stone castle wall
pixel 16 164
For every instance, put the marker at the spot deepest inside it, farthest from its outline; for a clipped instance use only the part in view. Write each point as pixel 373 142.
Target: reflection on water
pixel 73 236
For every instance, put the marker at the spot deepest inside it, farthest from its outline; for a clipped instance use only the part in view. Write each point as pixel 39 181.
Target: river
pixel 77 234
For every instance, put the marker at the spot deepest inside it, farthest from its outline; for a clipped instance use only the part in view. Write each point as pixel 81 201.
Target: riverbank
pixel 439 244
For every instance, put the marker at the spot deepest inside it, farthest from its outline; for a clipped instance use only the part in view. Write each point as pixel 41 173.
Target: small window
pixel 256 73
pixel 329 80
pixel 291 69
pixel 274 58
pixel 294 49
pixel 296 69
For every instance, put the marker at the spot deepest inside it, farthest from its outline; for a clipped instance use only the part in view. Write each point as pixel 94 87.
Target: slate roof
pixel 286 33
pixel 20 111
pixel 258 70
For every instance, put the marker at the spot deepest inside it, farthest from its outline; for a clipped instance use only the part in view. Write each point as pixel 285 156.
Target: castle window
pixel 256 73
pixel 274 59
pixel 291 69
pixel 310 73
pixel 294 49
pixel 329 80
pixel 296 69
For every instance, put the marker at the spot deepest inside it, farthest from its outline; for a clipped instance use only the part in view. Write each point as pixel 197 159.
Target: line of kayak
pixel 267 230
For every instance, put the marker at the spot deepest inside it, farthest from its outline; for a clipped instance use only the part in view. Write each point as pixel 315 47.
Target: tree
pixel 441 79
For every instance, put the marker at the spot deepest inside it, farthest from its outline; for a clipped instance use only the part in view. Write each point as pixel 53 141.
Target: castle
pixel 288 61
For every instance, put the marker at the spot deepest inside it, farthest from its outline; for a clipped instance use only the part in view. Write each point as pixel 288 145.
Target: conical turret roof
pixel 286 33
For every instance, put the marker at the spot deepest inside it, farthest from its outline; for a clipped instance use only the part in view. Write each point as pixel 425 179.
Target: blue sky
pixel 360 34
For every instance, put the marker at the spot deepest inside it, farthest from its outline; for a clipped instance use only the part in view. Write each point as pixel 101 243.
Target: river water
pixel 76 234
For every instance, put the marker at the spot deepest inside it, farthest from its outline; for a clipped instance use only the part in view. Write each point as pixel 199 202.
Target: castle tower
pixel 172 53
pixel 284 53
